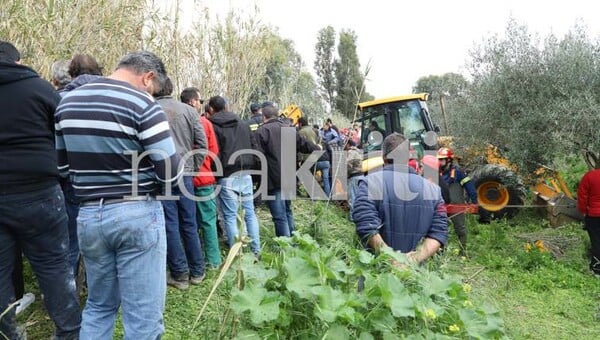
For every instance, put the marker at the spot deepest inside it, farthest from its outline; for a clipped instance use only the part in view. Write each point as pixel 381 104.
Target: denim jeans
pixel 235 190
pixel 207 224
pixel 184 252
pixel 325 175
pixel 38 222
pixel 124 250
pixel 281 211
pixel 352 189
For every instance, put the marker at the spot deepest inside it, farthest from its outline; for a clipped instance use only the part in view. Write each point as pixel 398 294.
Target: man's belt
pixel 106 201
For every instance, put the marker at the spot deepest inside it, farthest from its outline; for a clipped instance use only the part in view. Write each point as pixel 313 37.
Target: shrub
pixel 306 291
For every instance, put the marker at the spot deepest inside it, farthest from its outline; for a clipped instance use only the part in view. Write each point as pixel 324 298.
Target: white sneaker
pixel 25 302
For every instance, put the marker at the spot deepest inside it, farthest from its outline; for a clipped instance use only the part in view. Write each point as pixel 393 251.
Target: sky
pixel 405 40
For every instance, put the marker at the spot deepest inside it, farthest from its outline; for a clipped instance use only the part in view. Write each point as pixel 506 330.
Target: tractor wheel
pixel 499 190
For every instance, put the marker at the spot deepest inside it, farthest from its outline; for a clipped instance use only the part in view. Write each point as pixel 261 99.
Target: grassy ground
pixel 539 296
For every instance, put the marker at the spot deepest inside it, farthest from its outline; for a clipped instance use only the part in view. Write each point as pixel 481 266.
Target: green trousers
pixel 207 224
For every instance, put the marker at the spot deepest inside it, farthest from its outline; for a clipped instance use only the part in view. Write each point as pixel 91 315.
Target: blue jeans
pixel 233 190
pixel 37 221
pixel 281 211
pixel 124 249
pixel 325 167
pixel 181 226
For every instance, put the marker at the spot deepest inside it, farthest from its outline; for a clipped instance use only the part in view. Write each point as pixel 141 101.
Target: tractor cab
pixel 407 115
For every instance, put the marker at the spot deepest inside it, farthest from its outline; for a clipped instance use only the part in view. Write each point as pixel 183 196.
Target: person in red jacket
pixel 588 203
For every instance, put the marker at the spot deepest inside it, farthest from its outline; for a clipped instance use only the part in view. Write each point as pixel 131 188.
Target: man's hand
pixel 376 242
pixel 412 256
pixel 426 250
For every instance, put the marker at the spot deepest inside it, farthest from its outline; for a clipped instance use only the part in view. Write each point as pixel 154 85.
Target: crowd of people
pixel 116 171
pixel 113 170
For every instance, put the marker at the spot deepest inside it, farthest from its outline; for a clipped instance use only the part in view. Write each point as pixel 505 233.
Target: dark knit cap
pixel 8 52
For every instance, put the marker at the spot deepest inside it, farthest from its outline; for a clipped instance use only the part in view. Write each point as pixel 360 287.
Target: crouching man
pixel 395 207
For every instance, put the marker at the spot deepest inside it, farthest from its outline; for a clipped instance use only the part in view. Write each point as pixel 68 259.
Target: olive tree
pixel 535 97
pixel 444 92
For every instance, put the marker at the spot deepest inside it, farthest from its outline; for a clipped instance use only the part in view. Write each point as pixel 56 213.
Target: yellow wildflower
pixel 467 288
pixel 456 251
pixel 454 328
pixel 539 244
pixel 468 304
pixel 430 314
pixel 527 246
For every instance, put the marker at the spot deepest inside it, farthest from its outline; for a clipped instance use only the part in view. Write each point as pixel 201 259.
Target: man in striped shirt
pixel 102 130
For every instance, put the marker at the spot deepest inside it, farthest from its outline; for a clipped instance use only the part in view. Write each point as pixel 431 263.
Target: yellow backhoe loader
pixel 501 192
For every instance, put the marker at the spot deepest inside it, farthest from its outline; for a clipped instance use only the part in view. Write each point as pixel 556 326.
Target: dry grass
pixel 228 56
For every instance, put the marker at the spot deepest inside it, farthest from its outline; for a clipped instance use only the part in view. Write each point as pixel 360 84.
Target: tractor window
pixel 374 130
pixel 408 120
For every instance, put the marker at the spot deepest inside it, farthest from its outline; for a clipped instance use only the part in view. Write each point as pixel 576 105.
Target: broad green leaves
pixel 301 277
pixel 262 304
pixel 307 291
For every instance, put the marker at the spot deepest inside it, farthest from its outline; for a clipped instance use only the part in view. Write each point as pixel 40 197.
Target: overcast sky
pixel 404 40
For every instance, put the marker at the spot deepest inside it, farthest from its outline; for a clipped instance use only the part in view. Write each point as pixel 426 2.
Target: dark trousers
pixel 72 205
pixel 458 221
pixel 592 225
pixel 17 276
pixel 281 211
pixel 37 221
pixel 184 252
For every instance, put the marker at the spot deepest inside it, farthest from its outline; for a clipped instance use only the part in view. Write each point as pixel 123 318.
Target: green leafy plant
pixel 308 291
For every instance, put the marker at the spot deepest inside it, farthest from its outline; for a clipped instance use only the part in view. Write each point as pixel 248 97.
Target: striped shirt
pixel 100 127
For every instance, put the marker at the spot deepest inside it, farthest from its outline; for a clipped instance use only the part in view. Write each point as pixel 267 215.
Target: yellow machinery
pixel 501 192
pixel 292 112
pixel 552 192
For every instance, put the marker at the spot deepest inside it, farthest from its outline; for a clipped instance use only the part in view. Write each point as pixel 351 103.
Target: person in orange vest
pixel 458 182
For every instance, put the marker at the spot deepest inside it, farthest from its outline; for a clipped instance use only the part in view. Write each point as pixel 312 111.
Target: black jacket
pixel 268 138
pixel 232 135
pixel 27 152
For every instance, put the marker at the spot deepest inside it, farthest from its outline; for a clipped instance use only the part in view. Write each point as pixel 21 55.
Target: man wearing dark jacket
pixel 256 116
pixel 184 252
pixel 235 184
pixel 396 207
pixel 269 141
pixel 32 207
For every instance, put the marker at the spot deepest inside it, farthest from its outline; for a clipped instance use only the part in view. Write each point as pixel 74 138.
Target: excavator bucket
pixel 556 206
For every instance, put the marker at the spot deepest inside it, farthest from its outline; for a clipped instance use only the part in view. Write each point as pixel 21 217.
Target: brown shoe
pixel 196 280
pixel 181 284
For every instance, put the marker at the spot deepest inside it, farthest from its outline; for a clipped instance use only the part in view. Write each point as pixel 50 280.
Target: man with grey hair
pixel 396 207
pixel 184 252
pixel 60 74
pixel 101 127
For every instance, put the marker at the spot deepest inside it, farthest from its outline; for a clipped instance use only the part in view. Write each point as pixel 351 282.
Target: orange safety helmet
pixel 445 153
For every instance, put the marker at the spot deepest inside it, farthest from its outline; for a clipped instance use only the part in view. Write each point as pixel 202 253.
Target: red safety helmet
pixel 412 163
pixel 431 161
pixel 445 153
